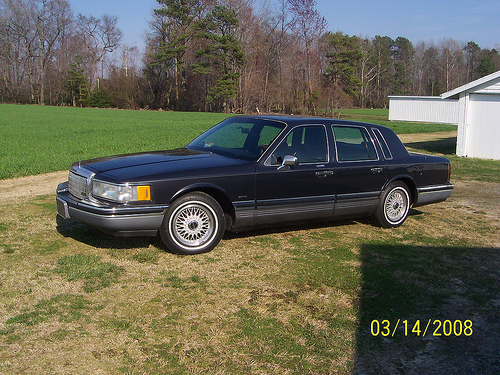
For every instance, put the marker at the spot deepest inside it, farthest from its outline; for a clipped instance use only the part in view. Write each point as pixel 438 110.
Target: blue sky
pixel 427 20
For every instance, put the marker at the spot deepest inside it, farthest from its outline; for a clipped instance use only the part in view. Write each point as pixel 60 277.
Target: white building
pixel 475 107
pixel 432 109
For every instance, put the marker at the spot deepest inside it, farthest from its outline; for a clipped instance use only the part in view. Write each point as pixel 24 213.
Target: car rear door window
pixel 353 144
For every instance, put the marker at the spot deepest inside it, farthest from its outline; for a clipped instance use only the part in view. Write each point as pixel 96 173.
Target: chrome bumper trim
pixel 433 194
pixel 119 221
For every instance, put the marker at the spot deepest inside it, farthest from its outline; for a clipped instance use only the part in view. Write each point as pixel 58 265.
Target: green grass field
pixel 37 139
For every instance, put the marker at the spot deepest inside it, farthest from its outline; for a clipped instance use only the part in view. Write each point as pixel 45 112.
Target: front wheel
pixel 393 208
pixel 193 224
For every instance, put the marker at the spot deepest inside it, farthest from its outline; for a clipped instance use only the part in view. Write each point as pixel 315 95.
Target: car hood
pixel 150 165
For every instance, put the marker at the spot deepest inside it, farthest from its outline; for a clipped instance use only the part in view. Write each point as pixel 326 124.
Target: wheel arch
pixel 408 181
pixel 216 193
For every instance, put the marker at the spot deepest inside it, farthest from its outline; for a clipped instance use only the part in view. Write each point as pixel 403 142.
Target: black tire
pixel 193 224
pixel 394 205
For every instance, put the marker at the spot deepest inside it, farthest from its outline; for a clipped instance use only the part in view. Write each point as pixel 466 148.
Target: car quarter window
pixel 383 144
pixel 308 143
pixel 353 144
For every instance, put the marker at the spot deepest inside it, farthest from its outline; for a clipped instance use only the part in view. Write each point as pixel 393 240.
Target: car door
pixel 360 173
pixel 301 191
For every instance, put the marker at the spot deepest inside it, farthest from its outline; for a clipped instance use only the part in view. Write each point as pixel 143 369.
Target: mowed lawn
pixel 327 298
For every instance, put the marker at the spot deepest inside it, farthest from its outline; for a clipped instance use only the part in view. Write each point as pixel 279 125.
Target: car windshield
pixel 241 138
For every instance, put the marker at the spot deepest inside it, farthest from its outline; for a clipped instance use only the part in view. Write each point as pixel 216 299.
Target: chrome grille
pixel 77 185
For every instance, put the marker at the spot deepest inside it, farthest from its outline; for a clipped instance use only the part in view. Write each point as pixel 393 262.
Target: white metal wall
pixel 483 127
pixel 431 109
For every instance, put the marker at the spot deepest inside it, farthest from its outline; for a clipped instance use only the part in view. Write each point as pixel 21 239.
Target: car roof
pixel 300 120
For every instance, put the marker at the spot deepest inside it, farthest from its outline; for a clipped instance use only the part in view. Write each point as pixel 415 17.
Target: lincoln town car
pixel 250 171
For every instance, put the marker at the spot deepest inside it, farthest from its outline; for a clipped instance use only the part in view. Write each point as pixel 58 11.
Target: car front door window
pixel 307 143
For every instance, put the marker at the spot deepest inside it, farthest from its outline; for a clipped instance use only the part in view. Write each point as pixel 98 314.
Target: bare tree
pixel 52 21
pixel 19 47
pixel 32 31
pixel 418 72
pixel 452 62
pixel 99 36
pixel 366 70
pixel 309 26
pixel 282 44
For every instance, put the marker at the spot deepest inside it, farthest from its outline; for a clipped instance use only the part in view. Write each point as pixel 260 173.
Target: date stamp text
pixel 422 328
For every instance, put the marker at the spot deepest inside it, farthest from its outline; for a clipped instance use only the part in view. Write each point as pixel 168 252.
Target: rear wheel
pixel 394 206
pixel 193 224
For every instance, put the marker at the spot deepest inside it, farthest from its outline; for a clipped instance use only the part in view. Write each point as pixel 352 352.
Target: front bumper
pixel 119 220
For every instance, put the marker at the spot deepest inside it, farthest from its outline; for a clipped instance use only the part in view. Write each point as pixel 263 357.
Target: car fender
pixel 204 187
pixel 408 180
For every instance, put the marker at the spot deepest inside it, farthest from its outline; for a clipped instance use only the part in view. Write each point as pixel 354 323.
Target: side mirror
pixel 288 161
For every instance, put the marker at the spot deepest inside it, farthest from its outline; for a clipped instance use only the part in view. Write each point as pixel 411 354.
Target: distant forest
pixel 221 56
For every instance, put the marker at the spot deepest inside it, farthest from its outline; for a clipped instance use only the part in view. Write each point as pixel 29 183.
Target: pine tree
pixel 179 17
pixel 221 56
pixel 77 83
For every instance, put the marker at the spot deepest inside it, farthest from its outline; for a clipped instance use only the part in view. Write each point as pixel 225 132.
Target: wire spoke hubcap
pixel 396 205
pixel 193 224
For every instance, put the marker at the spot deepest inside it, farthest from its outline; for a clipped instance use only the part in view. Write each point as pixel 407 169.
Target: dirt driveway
pixel 30 186
pixel 424 137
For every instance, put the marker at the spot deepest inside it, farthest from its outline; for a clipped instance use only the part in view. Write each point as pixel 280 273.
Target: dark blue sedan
pixel 254 170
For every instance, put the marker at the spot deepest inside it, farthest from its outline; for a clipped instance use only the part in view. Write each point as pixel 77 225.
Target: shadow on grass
pixel 453 292
pixel 446 146
pixel 285 227
pixel 94 237
pixel 307 225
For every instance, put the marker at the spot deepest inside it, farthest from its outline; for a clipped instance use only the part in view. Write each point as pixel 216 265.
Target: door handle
pixel 377 170
pixel 324 173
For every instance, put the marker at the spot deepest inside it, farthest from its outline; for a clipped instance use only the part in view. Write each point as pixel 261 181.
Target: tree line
pixel 220 55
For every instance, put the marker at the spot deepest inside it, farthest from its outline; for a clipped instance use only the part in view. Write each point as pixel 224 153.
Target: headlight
pixel 120 193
